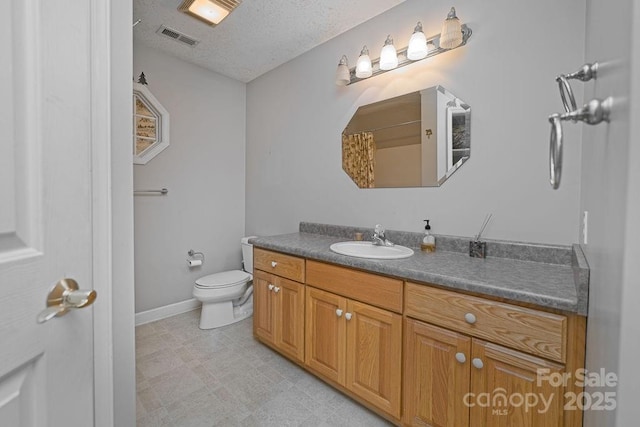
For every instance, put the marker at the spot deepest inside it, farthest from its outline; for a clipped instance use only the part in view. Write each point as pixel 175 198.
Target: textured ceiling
pixel 256 37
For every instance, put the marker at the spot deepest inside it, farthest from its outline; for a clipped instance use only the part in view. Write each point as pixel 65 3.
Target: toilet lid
pixel 224 279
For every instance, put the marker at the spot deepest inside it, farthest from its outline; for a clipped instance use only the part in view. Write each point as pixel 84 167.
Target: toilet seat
pixel 224 279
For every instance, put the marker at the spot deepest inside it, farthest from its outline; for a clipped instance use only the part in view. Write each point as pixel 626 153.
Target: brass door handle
pixel 64 296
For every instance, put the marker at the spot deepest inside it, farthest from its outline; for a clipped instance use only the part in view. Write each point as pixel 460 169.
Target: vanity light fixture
pixel 388 55
pixel 453 35
pixel 418 48
pixel 363 66
pixel 342 73
pixel 211 12
pixel 431 47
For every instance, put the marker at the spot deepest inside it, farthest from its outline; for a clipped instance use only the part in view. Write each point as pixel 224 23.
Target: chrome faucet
pixel 378 238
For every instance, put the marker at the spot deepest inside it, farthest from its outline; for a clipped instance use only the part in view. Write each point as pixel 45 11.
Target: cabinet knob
pixel 276 289
pixel 460 357
pixel 347 316
pixel 270 287
pixel 477 363
pixel 273 264
pixel 470 318
pixel 338 312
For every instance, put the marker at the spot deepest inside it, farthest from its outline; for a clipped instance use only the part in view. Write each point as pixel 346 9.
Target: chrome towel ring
pixel 584 74
pixel 566 94
pixel 555 151
pixel 594 112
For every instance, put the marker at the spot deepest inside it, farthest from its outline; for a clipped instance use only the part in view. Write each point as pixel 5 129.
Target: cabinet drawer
pixel 282 265
pixel 383 292
pixel 536 332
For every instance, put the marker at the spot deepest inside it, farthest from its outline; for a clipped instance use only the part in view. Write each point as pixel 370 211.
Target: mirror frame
pixel 162 128
pixel 465 110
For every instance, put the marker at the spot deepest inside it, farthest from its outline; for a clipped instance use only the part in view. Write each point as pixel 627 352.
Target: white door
pixel 609 188
pixel 46 370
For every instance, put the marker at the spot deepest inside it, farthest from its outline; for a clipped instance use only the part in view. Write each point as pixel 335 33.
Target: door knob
pixel 273 264
pixel 64 296
pixel 270 287
pixel 276 289
pixel 338 312
pixel 348 316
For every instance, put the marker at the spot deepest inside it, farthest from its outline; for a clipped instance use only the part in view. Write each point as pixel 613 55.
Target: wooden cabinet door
pixel 325 334
pixel 289 314
pixel 263 310
pixel 374 351
pixel 435 381
pixel 509 380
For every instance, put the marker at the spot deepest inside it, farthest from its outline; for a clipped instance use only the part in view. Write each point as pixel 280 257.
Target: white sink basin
pixel 368 250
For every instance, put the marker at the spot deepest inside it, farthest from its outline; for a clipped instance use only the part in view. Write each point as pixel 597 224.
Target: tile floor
pixel 223 377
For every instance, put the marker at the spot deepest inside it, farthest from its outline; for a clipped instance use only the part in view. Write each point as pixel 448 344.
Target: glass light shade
pixel 343 76
pixel 417 44
pixel 451 34
pixel 208 10
pixel 388 56
pixel 363 66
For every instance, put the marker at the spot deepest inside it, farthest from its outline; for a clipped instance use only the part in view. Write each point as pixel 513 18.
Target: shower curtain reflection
pixel 358 158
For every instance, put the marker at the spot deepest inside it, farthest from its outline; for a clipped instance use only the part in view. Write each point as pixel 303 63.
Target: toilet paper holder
pixel 195 258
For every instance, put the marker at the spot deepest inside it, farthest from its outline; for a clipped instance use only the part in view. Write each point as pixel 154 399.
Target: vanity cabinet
pixel 287 266
pixel 455 376
pixel 325 331
pixel 278 318
pixel 353 344
pixel 417 354
pixel 455 380
pixel 435 381
pixel 519 396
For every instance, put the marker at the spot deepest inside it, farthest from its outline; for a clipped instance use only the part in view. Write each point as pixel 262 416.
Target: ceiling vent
pixel 177 36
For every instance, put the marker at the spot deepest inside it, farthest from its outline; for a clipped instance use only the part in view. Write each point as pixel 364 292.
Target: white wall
pixel 204 170
pixel 610 193
pixel 295 115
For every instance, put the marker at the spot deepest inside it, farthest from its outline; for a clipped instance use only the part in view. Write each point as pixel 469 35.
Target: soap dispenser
pixel 429 240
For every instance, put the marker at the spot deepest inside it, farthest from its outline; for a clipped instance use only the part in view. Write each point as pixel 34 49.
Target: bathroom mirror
pixel 150 125
pixel 414 140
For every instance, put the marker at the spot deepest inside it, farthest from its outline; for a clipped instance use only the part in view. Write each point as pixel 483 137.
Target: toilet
pixel 227 297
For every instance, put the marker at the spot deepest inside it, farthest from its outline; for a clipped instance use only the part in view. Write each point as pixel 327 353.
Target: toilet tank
pixel 247 254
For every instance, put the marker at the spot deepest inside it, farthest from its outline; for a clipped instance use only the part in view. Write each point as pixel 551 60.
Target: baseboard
pixel 166 311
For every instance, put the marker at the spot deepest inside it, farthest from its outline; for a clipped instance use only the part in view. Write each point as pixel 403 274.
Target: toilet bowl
pixel 227 297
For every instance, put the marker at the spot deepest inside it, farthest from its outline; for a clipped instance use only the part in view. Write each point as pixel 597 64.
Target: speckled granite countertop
pixel 560 283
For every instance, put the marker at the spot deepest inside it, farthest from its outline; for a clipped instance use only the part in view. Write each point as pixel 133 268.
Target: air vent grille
pixel 229 4
pixel 177 36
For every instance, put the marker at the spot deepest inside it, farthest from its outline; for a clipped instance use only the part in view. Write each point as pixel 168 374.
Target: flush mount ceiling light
pixel 211 12
pixel 453 35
